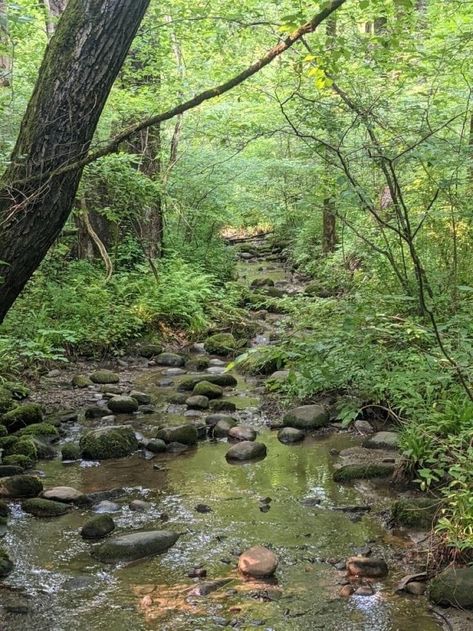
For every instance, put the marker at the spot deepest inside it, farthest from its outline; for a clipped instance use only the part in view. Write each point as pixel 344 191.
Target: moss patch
pixel 109 442
pixel 40 507
pixel 414 513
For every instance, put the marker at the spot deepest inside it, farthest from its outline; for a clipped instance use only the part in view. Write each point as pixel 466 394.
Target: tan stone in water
pixel 258 562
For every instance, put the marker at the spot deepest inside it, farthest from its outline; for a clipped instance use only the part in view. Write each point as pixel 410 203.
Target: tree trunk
pixel 329 237
pixel 76 76
pixel 5 60
pixel 53 9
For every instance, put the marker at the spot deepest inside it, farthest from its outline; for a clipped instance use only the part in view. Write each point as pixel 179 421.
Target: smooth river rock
pixel 246 450
pixel 258 562
pixel 65 494
pixel 382 440
pixel 290 435
pixel 242 432
pixel 453 586
pixel 307 417
pixel 136 545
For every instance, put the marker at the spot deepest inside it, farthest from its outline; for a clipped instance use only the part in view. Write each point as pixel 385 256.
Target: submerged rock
pixel 97 527
pixel 108 442
pixel 184 434
pixel 40 507
pixel 245 451
pixel 105 377
pixel 20 486
pixel 289 435
pixel 123 405
pixel 382 440
pixel 307 417
pixel 258 562
pixel 367 567
pixel 365 471
pixel 136 545
pixel 453 586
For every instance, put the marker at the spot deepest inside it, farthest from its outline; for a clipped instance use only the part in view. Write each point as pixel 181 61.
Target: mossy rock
pixel 414 513
pixel 44 451
pixel 225 381
pixel 6 564
pixel 197 402
pixel 134 546
pixel 198 363
pixel 39 507
pixel 453 586
pixel 171 360
pixel 17 389
pixel 7 443
pixel 222 405
pixel 70 451
pixel 123 405
pixel 20 486
pixel 178 398
pixel 258 362
pixel 7 470
pixel 97 527
pixel 21 416
pixel 19 460
pixel 40 429
pixel 6 400
pixel 150 350
pixel 81 381
pixel 3 431
pixel 184 434
pixel 207 389
pixel 365 471
pixel 108 442
pixel 221 344
pixel 96 411
pixel 25 446
pixel 156 446
pixel 307 417
pixel 105 377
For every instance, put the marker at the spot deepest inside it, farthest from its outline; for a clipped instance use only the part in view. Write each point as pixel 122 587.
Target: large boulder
pixel 382 440
pixel 65 495
pixel 224 380
pixel 258 562
pixel 123 405
pixel 208 389
pixel 22 416
pixel 108 442
pixel 20 486
pixel 171 360
pixel 221 344
pixel 184 434
pixel 136 545
pixel 307 417
pixel 40 507
pixel 97 527
pixel 105 376
pixel 453 586
pixel 245 451
pixel 290 435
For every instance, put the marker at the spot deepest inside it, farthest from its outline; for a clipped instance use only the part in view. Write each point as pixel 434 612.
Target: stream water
pixel 57 585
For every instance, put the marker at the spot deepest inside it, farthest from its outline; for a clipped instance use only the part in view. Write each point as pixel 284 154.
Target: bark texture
pixel 79 68
pixel 5 61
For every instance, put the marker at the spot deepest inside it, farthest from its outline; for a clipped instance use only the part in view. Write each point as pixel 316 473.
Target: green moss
pixel 17 389
pixel 224 380
pixel 222 405
pixel 207 389
pixel 109 442
pixel 3 431
pixel 19 460
pixel 40 507
pixel 363 471
pixel 6 400
pixel 414 513
pixel 259 362
pixel 198 363
pixel 221 344
pixel 70 451
pixel 105 376
pixel 21 486
pixel 39 429
pixel 81 381
pixel 26 447
pixel 97 527
pixel 22 416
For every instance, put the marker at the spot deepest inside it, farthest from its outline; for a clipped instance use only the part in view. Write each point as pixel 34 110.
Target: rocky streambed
pixel 179 503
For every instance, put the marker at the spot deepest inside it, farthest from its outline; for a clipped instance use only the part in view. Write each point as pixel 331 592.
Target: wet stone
pixel 246 451
pixel 290 435
pixel 258 562
pixel 106 506
pixel 242 432
pixel 198 402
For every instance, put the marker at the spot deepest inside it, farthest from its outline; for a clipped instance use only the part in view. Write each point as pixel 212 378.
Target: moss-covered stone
pixel 70 451
pixel 6 400
pixel 224 381
pixel 258 362
pixel 19 460
pixel 150 350
pixel 221 344
pixel 81 381
pixel 97 527
pixel 105 376
pixel 40 429
pixel 222 405
pixel 39 507
pixel 172 360
pixel 44 450
pixel 25 446
pixel 21 416
pixel 197 402
pixel 20 486
pixel 108 442
pixel 156 446
pixel 453 586
pixel 207 389
pixel 184 434
pixel 3 431
pixel 123 405
pixel 198 363
pixel 17 389
pixel 307 417
pixel 364 471
pixel 6 564
pixel 136 545
pixel 414 513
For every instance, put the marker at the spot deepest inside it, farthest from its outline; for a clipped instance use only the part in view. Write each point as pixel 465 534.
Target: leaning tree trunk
pixel 76 76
